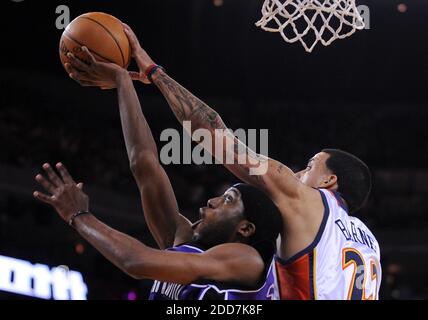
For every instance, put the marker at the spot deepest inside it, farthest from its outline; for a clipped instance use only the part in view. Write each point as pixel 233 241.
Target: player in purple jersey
pixel 211 290
pixel 206 235
pixel 226 255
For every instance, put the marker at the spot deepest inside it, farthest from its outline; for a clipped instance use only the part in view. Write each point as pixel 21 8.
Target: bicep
pixel 233 262
pixel 223 264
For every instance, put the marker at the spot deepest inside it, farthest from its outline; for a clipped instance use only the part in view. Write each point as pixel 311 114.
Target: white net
pixel 311 21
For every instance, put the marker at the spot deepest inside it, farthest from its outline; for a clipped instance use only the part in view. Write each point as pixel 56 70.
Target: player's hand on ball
pixel 63 193
pixel 139 54
pixel 93 73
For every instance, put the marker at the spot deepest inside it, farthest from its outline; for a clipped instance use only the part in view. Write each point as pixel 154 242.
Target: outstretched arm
pixel 160 206
pixel 159 203
pixel 276 179
pixel 227 263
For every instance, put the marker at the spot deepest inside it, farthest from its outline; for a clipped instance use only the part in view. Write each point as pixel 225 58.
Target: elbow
pixel 134 276
pixel 133 270
pixel 143 164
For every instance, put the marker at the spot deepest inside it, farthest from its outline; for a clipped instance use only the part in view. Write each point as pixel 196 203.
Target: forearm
pixel 267 174
pixel 117 247
pixel 158 199
pixel 139 140
pixel 187 107
pixel 136 259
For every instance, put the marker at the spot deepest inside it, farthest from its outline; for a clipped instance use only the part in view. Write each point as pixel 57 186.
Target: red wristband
pixel 150 70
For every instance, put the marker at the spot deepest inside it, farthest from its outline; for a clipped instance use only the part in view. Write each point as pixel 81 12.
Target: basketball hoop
pixel 311 21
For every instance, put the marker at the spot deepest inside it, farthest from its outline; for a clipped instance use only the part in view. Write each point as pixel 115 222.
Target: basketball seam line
pixel 81 44
pixel 111 35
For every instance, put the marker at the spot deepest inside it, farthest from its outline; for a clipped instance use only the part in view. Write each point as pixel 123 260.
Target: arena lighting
pixel 132 296
pixel 402 8
pixel 40 281
pixel 79 248
pixel 218 3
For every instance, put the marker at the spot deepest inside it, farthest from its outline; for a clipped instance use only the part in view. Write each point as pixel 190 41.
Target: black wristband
pixel 74 216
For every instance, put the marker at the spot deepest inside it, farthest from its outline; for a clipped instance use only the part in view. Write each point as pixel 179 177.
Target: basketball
pixel 101 33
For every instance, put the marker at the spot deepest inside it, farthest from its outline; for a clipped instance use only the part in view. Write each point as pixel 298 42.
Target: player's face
pixel 315 172
pixel 220 218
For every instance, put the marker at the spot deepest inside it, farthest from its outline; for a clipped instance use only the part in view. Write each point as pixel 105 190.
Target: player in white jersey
pixel 305 208
pixel 343 262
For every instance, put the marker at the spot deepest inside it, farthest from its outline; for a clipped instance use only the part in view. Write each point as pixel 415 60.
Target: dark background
pixel 365 94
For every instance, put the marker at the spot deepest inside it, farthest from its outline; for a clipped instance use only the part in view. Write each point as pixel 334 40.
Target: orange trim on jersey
pixel 296 276
pixel 373 274
pixel 347 264
pixel 296 279
pixel 314 274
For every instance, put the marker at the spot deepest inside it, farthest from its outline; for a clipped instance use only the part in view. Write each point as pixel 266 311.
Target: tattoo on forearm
pixel 185 105
pixel 204 113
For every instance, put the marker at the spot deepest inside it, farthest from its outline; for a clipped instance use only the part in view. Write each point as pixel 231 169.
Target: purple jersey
pixel 210 290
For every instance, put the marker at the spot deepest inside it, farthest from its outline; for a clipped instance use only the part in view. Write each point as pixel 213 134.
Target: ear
pixel 330 182
pixel 246 229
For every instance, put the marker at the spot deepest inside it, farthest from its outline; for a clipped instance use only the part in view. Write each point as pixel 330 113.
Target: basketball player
pixel 324 252
pixel 226 255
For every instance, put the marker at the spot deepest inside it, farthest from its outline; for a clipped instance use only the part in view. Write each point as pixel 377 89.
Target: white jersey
pixel 342 263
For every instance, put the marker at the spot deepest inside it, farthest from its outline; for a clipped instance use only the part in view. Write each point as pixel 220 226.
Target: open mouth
pixel 202 213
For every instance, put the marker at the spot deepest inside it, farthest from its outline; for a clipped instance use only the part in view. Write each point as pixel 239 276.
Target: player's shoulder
pixel 234 249
pixel 237 252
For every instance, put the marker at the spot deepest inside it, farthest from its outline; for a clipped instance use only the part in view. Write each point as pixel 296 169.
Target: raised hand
pixel 93 73
pixel 139 54
pixel 63 194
